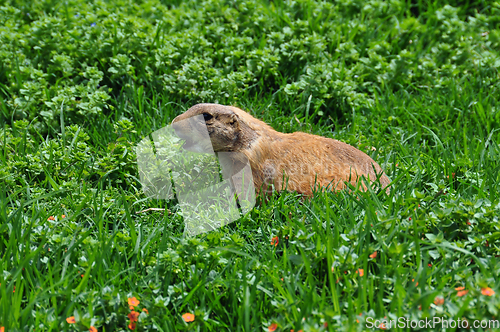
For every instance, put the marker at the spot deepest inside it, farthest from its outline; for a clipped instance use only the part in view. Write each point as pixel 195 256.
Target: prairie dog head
pixel 223 124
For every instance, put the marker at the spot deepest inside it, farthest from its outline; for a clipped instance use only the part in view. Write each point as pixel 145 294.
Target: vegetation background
pixel 413 83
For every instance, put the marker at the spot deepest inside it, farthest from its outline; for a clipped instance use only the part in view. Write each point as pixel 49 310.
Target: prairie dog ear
pixel 234 120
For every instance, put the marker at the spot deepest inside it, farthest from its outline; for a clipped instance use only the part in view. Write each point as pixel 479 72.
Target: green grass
pixel 415 84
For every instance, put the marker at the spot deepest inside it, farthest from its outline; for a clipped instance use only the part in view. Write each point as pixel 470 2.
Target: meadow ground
pixel 415 84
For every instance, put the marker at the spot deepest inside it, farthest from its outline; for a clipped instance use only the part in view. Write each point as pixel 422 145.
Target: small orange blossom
pixel 275 240
pixel 461 291
pixel 92 329
pixel 373 255
pixel 133 316
pixel 188 317
pixel 71 320
pixel 487 291
pixel 273 327
pixel 439 300
pixel 132 301
pixel 131 325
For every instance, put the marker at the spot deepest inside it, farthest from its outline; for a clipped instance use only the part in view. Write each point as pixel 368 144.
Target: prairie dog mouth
pixel 195 139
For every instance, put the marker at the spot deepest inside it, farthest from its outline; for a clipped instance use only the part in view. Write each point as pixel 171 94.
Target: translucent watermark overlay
pixel 212 189
pixel 430 323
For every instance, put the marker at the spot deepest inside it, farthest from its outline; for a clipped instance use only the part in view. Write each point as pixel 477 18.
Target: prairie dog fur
pixel 301 159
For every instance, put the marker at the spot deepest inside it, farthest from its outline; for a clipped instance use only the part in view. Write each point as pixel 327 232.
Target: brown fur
pixel 301 159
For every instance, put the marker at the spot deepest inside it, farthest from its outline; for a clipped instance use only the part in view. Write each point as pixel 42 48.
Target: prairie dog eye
pixel 207 116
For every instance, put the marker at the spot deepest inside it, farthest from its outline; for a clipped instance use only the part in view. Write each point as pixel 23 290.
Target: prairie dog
pixel 301 160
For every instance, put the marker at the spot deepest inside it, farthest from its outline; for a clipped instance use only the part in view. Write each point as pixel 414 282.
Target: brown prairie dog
pixel 301 160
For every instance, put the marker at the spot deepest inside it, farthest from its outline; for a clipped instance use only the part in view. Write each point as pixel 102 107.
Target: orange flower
pixel 373 255
pixel 131 325
pixel 461 291
pixel 273 327
pixel 361 272
pixel 487 291
pixel 63 216
pixel 275 240
pixel 92 329
pixel 71 320
pixel 188 317
pixel 439 300
pixel 460 288
pixel 145 310
pixel 416 284
pixel 132 301
pixel 51 218
pixel 2 329
pixel 382 326
pixel 133 316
